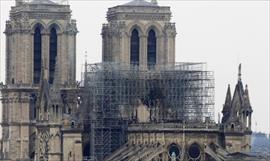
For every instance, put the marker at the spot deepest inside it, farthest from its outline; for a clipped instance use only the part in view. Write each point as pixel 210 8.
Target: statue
pixel 173 156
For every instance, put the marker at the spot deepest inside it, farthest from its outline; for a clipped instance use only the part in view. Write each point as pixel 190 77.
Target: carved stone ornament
pixel 170 29
pixel 44 145
pixel 71 28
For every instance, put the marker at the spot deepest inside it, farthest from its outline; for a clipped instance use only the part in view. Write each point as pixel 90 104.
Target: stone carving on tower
pixel 40 109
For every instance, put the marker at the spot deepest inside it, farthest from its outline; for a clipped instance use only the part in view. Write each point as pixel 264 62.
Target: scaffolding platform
pixel 178 92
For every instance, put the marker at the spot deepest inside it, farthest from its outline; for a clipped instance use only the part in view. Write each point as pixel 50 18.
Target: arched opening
pixel 232 127
pixel 151 49
pixel 174 152
pixel 72 124
pixel 53 54
pixel 134 47
pixel 194 152
pixel 37 54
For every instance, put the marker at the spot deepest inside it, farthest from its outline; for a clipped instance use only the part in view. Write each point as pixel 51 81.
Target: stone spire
pixel 239 85
pixel 228 101
pixel 246 99
pixel 238 98
pixel 227 105
pixel 239 72
pixel 234 104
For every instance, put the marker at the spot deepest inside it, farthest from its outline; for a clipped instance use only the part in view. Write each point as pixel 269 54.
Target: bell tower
pixel 40 58
pixel 40 35
pixel 139 33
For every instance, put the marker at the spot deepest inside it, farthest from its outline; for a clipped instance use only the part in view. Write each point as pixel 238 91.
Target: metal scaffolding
pixel 181 92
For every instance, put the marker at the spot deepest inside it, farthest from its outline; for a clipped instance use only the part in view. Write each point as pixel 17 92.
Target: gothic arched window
pixel 135 47
pixel 151 49
pixel 37 55
pixel 53 54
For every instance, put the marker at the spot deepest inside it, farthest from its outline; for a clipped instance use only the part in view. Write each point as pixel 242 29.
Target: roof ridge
pixel 139 3
pixel 42 2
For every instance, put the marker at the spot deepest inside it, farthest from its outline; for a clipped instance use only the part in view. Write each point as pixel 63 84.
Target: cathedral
pixel 138 104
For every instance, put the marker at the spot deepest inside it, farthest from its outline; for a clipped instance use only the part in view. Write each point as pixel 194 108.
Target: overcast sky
pixel 221 33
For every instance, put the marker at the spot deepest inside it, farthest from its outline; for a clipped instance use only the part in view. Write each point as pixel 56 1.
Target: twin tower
pixel 139 33
pixel 40 39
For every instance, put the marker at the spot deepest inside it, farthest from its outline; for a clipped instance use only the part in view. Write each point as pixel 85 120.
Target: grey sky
pixel 221 33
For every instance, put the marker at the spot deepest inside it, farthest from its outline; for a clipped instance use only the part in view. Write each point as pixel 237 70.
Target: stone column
pixel 110 48
pixel 118 40
pixel 71 58
pixel 165 50
pixel 19 57
pixel 59 58
pixel 171 49
pixel 8 53
pixel 249 121
pixel 26 57
pixel 23 54
pixel 159 52
pixel 143 52
pixel 115 55
pixel 63 58
pixel 127 50
pixel 122 45
pixel 45 52
pixel 15 58
pixel 74 58
pixel 104 42
pixel 30 58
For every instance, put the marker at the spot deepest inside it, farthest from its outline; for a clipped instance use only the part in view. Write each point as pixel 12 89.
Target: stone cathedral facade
pixel 39 105
pixel 42 118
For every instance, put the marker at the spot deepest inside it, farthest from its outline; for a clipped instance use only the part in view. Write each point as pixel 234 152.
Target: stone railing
pixel 174 126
